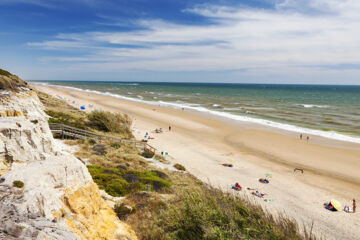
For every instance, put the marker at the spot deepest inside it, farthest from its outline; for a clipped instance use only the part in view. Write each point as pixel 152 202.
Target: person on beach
pixel 301 136
pixel 354 206
pixel 307 138
pixel 237 187
pixel 258 194
pixel 169 128
pixel 263 180
pixel 349 209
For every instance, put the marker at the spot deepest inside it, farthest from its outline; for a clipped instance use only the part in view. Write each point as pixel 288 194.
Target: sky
pixel 241 41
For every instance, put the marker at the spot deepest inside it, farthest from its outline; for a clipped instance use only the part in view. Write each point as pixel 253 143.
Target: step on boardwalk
pixel 78 133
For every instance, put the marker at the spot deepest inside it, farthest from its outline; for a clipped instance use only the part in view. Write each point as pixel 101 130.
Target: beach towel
pixel 227 165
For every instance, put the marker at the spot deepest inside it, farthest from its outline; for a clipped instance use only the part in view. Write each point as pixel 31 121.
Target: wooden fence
pixel 73 132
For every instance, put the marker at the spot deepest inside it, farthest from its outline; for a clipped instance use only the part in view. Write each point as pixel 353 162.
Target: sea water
pixel 324 110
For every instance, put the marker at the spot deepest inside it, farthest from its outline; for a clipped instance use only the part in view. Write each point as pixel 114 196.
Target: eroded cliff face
pixel 59 200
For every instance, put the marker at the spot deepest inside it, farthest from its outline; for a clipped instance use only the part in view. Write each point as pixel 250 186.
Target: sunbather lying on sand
pixel 227 164
pixel 258 194
pixel 263 180
pixel 348 209
pixel 237 187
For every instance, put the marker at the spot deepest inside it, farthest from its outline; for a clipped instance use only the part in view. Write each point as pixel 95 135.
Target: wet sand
pixel 201 143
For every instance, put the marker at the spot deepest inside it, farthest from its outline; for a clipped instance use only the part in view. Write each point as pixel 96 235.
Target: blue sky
pixel 251 41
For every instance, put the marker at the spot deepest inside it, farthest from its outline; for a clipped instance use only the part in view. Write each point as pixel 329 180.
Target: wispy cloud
pixel 284 39
pixel 52 3
pixel 41 3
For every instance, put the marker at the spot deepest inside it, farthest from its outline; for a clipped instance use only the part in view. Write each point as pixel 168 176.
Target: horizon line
pixel 230 83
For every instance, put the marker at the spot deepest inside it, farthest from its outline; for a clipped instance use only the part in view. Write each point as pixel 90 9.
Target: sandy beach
pixel 201 143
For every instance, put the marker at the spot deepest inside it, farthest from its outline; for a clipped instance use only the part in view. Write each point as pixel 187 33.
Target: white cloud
pixel 285 39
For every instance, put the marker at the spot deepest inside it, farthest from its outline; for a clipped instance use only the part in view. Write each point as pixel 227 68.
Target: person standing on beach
pixel 354 206
pixel 169 128
pixel 307 138
pixel 301 136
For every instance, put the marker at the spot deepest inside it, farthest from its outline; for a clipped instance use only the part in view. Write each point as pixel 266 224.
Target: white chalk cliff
pixel 59 199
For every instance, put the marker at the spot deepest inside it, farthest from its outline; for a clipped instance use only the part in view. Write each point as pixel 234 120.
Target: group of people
pixel 349 210
pixel 254 192
pixel 307 137
pixel 329 206
pixel 160 130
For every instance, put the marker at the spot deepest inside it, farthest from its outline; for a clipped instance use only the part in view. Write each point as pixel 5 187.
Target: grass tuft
pixel 18 184
pixel 179 167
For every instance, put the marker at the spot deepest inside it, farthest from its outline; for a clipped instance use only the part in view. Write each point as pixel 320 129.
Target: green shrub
pixel 119 182
pixel 65 118
pixel 122 210
pixel 160 158
pixel 18 184
pixel 147 154
pixel 179 167
pixel 91 141
pixel 116 145
pixel 110 122
pixel 117 187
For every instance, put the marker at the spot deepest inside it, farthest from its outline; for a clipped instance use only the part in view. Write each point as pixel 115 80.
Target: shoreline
pixel 234 119
pixel 201 144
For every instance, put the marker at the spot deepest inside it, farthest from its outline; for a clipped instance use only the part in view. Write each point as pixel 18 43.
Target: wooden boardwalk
pixel 78 133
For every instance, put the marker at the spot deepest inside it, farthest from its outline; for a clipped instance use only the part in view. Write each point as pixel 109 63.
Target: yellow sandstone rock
pixel 90 217
pixel 4 167
pixel 18 113
pixel 10 113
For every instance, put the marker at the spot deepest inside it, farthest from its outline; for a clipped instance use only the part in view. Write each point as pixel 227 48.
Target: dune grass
pixel 119 182
pixel 5 73
pixel 199 211
pixel 11 82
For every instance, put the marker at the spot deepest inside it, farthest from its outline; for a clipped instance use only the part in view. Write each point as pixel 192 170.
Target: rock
pixel 121 166
pixel 59 199
pixel 161 174
pixel 99 149
pixel 131 178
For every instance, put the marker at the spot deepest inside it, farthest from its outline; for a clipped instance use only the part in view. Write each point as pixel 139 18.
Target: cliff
pixel 45 192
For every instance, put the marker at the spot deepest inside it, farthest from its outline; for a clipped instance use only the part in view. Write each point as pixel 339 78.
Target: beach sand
pixel 201 143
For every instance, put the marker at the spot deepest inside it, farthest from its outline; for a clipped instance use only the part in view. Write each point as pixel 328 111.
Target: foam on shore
pixel 196 107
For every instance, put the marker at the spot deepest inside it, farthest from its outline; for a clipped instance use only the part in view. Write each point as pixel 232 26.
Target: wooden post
pixel 62 132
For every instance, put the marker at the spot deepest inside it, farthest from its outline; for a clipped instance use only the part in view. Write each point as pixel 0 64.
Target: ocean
pixel 324 110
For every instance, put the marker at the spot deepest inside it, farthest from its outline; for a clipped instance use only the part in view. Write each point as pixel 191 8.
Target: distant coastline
pixel 226 113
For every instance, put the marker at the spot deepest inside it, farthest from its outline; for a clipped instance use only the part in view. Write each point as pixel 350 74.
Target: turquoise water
pixel 330 111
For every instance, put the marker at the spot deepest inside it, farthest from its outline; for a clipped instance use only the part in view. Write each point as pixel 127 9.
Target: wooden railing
pixel 73 132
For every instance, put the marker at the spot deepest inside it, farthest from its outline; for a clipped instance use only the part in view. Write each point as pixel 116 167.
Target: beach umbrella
pixel 336 205
pixel 82 107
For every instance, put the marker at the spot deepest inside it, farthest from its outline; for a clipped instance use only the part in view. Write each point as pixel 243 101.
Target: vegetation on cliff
pixel 61 112
pixel 10 82
pixel 119 182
